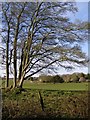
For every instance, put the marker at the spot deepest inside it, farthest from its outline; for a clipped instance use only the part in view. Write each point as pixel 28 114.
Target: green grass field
pixel 58 105
pixel 62 101
pixel 57 86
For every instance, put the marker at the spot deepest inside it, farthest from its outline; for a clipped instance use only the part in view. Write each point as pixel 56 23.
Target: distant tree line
pixel 75 77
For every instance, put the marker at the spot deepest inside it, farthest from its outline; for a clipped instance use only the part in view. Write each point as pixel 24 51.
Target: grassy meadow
pixel 57 86
pixel 83 86
pixel 63 101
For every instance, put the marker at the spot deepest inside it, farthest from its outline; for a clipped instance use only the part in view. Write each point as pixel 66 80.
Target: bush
pixel 45 79
pixel 74 78
pixel 51 79
pixel 80 75
pixel 87 76
pixel 57 79
pixel 66 78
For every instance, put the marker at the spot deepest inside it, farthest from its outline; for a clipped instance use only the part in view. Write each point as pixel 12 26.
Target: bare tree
pixel 6 22
pixel 10 32
pixel 18 17
pixel 44 35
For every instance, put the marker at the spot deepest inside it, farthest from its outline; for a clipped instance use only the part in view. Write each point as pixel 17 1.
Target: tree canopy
pixel 38 34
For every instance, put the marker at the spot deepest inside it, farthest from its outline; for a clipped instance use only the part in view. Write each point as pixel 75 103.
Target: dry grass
pixel 57 105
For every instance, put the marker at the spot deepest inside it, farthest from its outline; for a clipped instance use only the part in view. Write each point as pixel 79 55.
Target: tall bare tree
pixel 6 38
pixel 44 35
pixel 18 15
pixel 11 20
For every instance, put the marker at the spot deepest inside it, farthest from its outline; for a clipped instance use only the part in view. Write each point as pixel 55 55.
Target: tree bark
pixel 15 55
pixel 21 80
pixel 7 58
pixel 15 46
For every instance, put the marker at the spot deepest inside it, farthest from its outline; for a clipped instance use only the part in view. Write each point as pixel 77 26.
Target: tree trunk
pixel 7 66
pixel 7 58
pixel 15 54
pixel 20 68
pixel 15 65
pixel 7 73
pixel 20 84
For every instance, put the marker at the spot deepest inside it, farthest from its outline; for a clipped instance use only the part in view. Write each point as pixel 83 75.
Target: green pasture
pixel 58 86
pixel 58 105
pixel 62 101
pixel 50 86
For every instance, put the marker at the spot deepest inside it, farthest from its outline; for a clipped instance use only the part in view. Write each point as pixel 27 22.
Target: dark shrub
pixel 87 76
pixel 57 79
pixel 51 79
